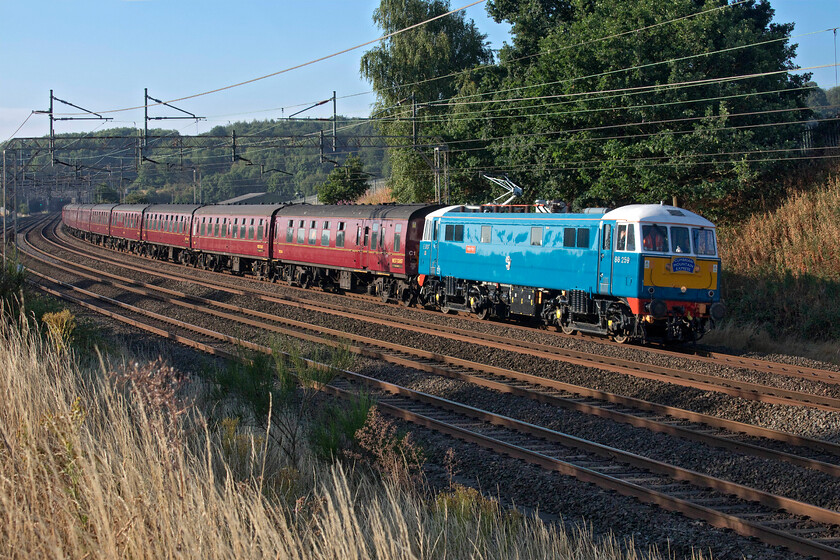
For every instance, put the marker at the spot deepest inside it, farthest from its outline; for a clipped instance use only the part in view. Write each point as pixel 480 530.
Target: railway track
pixel 801 527
pixel 732 387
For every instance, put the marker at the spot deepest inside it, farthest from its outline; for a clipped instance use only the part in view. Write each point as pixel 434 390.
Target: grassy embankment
pixel 123 458
pixel 781 277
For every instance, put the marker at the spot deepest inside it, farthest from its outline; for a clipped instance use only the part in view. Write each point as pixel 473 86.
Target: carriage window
pixel 397 236
pixel 569 237
pixel 290 232
pixel 234 231
pixel 679 240
pixel 203 226
pixel 313 234
pixel 325 235
pixel 704 241
pixel 358 234
pixel 261 231
pixel 216 228
pixel 375 237
pixel 224 227
pixel 655 238
pixel 339 235
pixel 486 231
pixel 536 235
pixel 301 236
pixel 583 238
pixel 251 229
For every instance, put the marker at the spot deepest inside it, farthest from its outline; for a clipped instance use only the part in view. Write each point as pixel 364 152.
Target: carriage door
pixel 605 259
pixel 434 248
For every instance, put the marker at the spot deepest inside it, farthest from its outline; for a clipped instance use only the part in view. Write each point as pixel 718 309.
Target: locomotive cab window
pixel 606 240
pixel 625 238
pixel 536 236
pixel 569 237
pixel 704 242
pixel 655 238
pixel 679 240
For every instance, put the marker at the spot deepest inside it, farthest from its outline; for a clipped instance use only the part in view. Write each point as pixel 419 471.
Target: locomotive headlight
pixel 711 293
pixel 682 289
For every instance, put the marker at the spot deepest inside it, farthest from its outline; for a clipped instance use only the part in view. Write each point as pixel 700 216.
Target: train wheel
pixel 567 329
pixel 620 338
pixel 483 313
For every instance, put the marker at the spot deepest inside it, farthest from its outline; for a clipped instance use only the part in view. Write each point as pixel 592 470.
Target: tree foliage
pixel 416 72
pixel 611 102
pixel 345 183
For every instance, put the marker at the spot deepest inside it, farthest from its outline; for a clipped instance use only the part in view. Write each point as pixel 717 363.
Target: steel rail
pixel 742 389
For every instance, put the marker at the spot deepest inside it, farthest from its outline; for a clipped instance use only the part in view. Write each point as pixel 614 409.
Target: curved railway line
pixel 807 528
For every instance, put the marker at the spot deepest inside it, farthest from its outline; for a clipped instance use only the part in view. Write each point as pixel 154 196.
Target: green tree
pixel 417 71
pixel 598 113
pixel 345 183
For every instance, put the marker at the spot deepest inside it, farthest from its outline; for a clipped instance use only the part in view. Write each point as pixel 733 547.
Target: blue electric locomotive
pixel 637 272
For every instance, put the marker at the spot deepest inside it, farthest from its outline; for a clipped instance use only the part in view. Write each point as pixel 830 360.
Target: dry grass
pixel 123 465
pixel 782 270
pixel 800 238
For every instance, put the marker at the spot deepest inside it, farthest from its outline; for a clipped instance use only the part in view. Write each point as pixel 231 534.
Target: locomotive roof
pixel 657 213
pixel 251 210
pixel 362 211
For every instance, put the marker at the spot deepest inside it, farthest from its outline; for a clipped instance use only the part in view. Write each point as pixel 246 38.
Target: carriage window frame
pixel 290 232
pixel 325 235
pixel 397 237
pixel 339 235
pixel 374 236
pixel 261 230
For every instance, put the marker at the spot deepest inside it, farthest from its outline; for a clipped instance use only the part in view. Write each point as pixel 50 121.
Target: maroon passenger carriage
pixel 126 227
pixel 166 231
pixel 233 237
pixel 350 247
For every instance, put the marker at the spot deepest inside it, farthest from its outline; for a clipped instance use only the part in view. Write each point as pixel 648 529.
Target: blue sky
pixel 100 54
